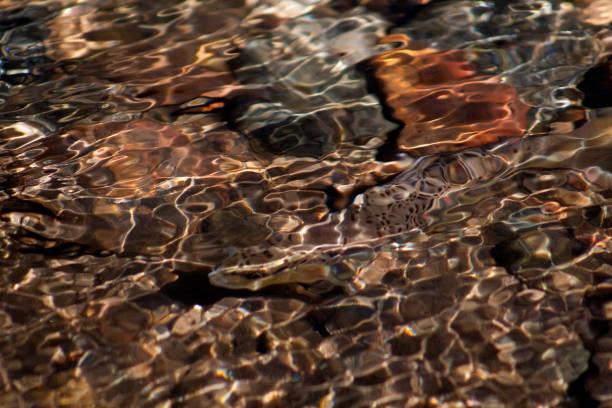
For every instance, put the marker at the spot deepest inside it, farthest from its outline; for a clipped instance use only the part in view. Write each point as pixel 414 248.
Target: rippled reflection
pixel 305 203
pixel 444 103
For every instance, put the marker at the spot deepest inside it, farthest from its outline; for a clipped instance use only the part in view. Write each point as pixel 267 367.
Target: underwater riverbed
pixel 299 203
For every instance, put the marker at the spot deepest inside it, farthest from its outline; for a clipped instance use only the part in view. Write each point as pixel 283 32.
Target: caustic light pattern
pixel 297 203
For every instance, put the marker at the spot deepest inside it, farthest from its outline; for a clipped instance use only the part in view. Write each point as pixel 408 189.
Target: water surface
pixel 305 203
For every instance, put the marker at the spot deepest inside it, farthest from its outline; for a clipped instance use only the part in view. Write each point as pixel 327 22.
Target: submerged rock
pixel 444 103
pixel 194 210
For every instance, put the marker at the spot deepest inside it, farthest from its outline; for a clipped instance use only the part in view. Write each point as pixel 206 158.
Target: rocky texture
pixel 194 211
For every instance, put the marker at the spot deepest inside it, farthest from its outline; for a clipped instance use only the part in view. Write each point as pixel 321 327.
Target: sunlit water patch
pixel 303 203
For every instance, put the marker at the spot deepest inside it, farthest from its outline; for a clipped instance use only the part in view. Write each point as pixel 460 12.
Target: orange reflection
pixel 445 104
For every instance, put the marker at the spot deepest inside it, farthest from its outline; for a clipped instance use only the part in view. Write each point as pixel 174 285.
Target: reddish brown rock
pixel 445 104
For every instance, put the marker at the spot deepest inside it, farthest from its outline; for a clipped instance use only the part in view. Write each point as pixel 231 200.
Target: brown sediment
pixel 444 103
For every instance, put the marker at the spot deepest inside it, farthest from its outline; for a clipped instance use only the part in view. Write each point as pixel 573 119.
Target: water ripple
pixel 301 203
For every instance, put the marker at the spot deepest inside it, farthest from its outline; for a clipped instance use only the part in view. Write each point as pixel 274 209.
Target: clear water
pixel 305 203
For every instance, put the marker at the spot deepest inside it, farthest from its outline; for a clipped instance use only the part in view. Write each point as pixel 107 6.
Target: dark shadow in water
pixel 600 327
pixel 317 319
pixel 388 151
pixel 194 288
pixel 577 390
pixel 597 85
pixel 512 256
pixel 398 12
pixel 19 26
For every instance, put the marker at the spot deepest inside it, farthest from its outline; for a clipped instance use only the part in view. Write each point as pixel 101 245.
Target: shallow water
pixel 305 203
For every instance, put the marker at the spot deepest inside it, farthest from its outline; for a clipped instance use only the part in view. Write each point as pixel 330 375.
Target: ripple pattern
pixel 296 203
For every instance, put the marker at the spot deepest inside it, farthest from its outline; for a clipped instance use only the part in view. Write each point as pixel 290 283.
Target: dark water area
pixel 298 203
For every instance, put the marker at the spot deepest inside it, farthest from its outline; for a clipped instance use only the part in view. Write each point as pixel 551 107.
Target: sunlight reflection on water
pixel 304 203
